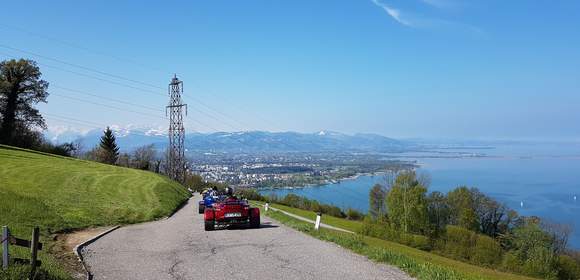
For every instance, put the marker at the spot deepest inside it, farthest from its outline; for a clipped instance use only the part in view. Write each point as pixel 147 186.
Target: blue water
pixel 544 177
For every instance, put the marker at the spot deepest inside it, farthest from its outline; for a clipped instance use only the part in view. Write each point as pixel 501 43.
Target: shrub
pixel 511 262
pixel 388 232
pixel 534 249
pixel 379 230
pixel 304 203
pixel 459 242
pixel 332 210
pixel 568 268
pixel 420 242
pixel 291 200
pixel 250 194
pixel 541 262
pixel 353 214
pixel 487 251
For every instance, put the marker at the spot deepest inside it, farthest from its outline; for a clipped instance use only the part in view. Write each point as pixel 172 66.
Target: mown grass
pixel 417 263
pixel 355 226
pixel 61 194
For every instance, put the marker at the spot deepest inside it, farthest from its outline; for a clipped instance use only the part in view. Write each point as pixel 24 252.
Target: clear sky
pixel 412 68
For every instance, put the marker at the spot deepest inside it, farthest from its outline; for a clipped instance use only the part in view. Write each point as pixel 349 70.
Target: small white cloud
pixel 394 13
pixel 422 22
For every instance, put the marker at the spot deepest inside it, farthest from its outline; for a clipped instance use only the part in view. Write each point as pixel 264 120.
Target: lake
pixel 544 177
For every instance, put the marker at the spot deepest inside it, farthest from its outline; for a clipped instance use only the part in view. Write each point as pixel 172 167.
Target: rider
pixel 229 191
pixel 213 191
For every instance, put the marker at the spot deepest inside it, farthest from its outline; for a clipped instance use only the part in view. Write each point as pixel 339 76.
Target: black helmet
pixel 229 191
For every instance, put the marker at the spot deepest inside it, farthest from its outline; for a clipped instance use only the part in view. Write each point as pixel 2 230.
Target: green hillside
pixel 60 194
pixel 420 264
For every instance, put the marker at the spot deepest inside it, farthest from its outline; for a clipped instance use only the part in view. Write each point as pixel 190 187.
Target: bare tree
pixel 424 179
pixel 389 179
pixel 560 234
pixel 78 148
pixel 144 156
pixel 377 201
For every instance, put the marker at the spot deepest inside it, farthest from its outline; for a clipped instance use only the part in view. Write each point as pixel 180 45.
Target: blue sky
pixel 413 68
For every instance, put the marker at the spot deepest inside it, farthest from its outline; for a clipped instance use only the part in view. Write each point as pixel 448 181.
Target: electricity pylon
pixel 176 153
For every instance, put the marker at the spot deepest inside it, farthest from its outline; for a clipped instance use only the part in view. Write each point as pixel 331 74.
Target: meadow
pixel 61 194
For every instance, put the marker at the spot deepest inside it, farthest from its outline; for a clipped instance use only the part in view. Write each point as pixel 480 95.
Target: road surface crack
pixel 173 271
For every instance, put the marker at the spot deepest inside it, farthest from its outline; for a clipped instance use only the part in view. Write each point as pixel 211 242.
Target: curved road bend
pixel 179 248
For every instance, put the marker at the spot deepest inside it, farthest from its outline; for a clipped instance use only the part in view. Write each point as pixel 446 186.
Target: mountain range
pixel 244 141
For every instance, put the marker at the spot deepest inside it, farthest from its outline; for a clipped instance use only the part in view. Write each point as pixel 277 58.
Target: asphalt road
pixel 179 248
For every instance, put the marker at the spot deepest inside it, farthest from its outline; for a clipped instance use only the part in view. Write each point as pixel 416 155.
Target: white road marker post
pixel 266 207
pixel 5 241
pixel 317 223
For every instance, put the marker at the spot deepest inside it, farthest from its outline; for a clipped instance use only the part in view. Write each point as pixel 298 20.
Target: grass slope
pixel 61 194
pixel 355 226
pixel 420 264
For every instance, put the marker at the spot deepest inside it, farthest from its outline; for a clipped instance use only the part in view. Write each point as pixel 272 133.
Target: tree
pixel 78 148
pixel 124 160
pixel 492 215
pixel 194 181
pixel 560 234
pixel 534 248
pixel 438 211
pixel 462 206
pixel 377 202
pixel 20 89
pixel 407 203
pixel 144 156
pixel 109 150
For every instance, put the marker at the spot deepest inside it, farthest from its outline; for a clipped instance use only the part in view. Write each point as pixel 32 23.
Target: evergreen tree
pixel 109 151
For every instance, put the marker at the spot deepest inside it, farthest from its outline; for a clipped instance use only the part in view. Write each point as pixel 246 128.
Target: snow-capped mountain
pixel 130 137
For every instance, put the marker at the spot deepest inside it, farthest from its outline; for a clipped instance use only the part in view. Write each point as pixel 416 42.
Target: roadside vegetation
pixel 61 194
pixel 303 203
pixel 415 262
pixel 464 225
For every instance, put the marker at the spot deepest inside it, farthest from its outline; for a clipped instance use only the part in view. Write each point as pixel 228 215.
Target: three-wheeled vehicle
pixel 231 212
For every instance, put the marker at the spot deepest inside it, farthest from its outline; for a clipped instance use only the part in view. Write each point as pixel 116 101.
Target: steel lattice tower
pixel 176 161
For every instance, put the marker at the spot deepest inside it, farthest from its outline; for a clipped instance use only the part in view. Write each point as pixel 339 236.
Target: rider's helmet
pixel 229 191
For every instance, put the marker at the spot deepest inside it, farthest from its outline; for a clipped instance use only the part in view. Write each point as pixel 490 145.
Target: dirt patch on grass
pixel 64 245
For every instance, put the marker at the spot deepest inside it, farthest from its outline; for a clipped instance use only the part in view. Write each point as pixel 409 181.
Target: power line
pixel 121 109
pixel 109 106
pixel 208 109
pixel 241 110
pixel 110 75
pixel 115 75
pixel 80 66
pixel 212 115
pixel 107 98
pixel 80 47
pixel 93 77
pixel 93 124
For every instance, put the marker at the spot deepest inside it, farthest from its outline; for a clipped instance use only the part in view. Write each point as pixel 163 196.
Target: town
pixel 290 169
